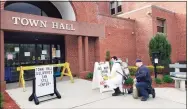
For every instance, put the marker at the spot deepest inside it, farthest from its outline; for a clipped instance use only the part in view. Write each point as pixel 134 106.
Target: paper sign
pixel 16 49
pixel 9 57
pixel 156 60
pixel 27 53
pixel 95 81
pixel 44 51
pixel 53 52
pixel 42 57
pixel 105 74
pixel 44 80
pixel 58 54
pixel 101 73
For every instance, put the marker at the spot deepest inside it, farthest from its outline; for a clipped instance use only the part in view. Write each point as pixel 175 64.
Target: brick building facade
pixel 125 34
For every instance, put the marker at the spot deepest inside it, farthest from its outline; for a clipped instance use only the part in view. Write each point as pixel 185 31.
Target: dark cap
pixel 138 60
pixel 115 57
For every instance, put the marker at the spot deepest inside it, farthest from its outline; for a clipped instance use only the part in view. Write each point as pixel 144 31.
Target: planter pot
pixel 127 86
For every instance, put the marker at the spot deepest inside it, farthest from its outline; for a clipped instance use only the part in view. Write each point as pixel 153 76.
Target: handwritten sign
pixel 104 76
pixel 44 80
pixel 101 73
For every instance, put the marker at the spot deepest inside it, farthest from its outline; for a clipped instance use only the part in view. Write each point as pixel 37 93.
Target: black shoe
pixel 117 92
pixel 153 93
pixel 144 98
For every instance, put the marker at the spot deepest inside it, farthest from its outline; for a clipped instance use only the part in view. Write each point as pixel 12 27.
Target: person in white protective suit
pixel 116 81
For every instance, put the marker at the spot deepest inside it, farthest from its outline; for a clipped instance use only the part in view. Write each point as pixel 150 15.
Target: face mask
pixel 111 62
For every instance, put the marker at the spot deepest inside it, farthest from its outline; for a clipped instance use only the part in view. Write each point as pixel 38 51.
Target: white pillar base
pixel 177 84
pixel 182 85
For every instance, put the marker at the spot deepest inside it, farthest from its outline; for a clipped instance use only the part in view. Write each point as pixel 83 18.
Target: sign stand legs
pixel 33 95
pixel 55 89
pixel 35 98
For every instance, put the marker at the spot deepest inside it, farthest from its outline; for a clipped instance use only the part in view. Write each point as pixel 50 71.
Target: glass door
pixel 45 56
pixel 27 58
pixel 11 57
pixel 56 54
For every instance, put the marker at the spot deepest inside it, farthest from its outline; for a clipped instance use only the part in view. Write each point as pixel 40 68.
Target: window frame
pixel 116 8
pixel 163 26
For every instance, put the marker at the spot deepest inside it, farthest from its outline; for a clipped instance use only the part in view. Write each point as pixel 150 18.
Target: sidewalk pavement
pixel 80 95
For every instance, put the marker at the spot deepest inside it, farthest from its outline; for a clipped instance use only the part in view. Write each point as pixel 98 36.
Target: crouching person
pixel 143 80
pixel 116 82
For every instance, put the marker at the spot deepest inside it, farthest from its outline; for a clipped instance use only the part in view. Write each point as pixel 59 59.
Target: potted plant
pixel 128 83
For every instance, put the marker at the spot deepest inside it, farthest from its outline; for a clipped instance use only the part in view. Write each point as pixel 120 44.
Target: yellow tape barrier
pixel 65 66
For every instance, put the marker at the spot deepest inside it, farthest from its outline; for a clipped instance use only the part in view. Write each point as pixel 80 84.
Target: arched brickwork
pixel 85 11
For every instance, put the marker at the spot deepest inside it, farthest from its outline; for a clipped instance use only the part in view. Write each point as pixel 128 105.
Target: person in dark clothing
pixel 143 80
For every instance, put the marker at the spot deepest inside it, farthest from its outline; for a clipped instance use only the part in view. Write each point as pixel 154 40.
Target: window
pixel 39 8
pixel 25 8
pixel 115 7
pixel 160 25
pixel 119 4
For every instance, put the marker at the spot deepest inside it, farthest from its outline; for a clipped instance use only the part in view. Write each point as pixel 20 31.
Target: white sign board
pixel 101 73
pixel 44 80
pixel 16 49
pixel 42 57
pixel 58 53
pixel 156 60
pixel 27 53
pixel 95 81
pixel 44 52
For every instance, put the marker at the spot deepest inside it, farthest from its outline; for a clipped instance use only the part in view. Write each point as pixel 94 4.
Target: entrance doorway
pixel 25 49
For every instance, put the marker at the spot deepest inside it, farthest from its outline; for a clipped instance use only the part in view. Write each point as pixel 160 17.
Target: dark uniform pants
pixel 142 88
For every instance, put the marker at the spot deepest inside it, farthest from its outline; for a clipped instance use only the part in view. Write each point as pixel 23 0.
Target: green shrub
pixel 159 43
pixel 89 75
pixel 133 69
pixel 1 100
pixel 107 58
pixel 160 69
pixel 129 81
pixel 167 79
pixel 132 73
pixel 151 69
pixel 158 81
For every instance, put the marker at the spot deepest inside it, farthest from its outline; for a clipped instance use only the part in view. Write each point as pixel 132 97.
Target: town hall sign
pixel 41 23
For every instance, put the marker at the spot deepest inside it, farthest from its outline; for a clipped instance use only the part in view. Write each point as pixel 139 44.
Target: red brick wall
pixel 179 7
pixel 118 38
pixel 103 8
pixel 85 11
pixel 71 50
pixel 92 57
pixel 143 32
pixel 181 36
pixel 171 29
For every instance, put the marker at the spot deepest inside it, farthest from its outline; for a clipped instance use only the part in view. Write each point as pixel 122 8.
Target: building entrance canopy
pixel 14 21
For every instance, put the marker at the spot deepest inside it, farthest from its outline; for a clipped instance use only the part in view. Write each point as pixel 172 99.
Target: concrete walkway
pixel 80 95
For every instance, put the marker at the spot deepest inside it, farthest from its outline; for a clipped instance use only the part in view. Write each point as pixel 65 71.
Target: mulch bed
pixel 154 85
pixel 8 102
